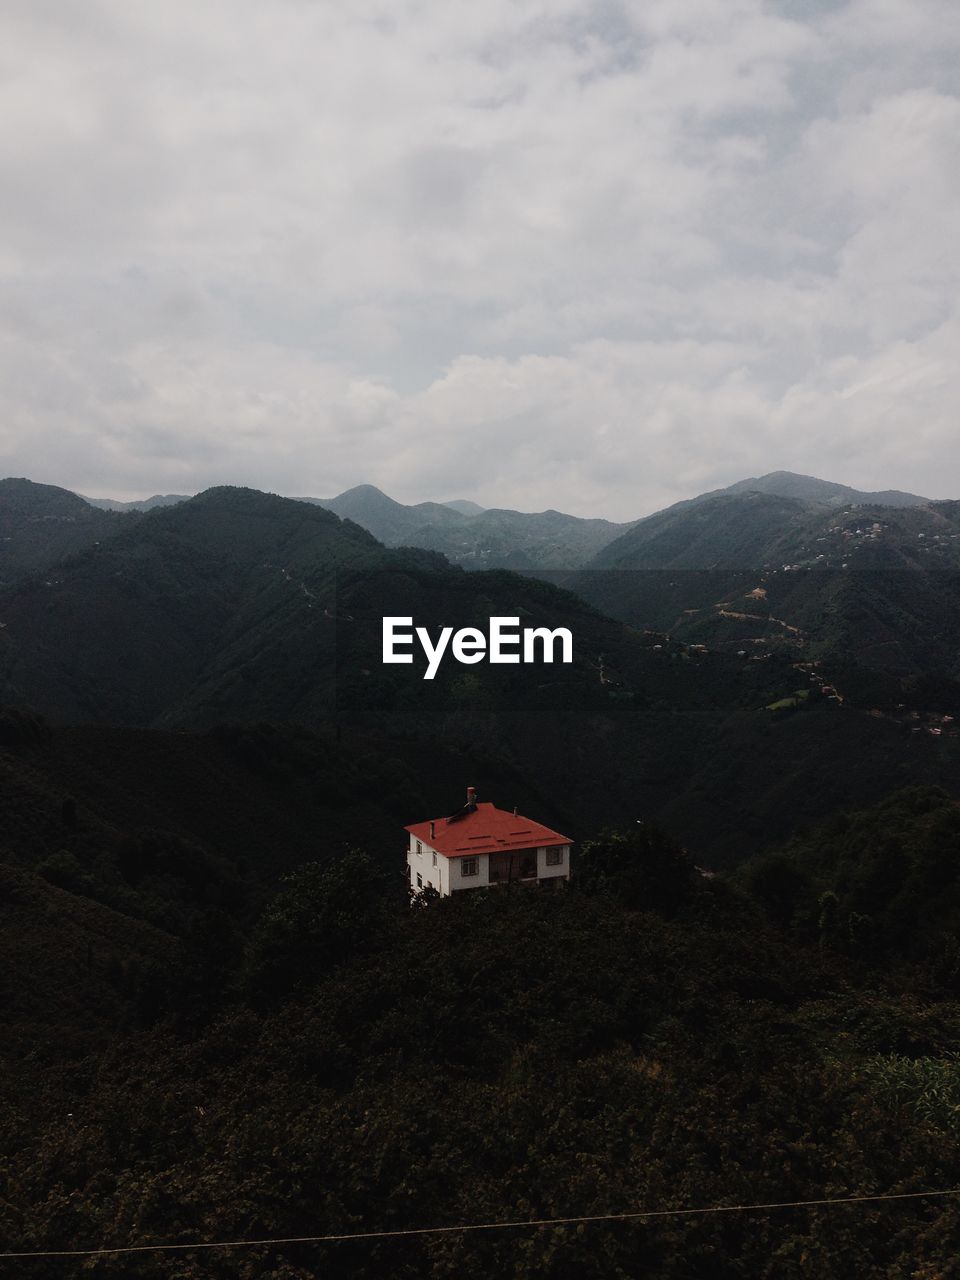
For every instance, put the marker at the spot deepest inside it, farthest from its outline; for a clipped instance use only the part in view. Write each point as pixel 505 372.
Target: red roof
pixel 485 829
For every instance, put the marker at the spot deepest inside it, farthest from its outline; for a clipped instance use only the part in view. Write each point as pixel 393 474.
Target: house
pixel 481 846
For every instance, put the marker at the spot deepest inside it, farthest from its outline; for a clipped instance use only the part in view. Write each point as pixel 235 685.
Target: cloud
pixel 583 254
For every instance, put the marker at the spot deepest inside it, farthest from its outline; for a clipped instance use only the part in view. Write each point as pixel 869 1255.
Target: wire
pixel 481 1226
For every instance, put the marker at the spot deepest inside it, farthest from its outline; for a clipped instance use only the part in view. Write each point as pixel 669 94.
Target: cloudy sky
pixel 587 254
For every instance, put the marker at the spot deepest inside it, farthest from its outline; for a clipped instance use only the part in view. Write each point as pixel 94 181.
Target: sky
pixel 580 254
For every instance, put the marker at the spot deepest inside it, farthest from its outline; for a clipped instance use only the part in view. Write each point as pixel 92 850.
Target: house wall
pixel 438 877
pixel 548 873
pixel 422 864
pixel 480 881
pixel 446 877
pixel 443 870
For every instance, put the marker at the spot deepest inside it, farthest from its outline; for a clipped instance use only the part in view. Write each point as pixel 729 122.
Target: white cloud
pixel 582 254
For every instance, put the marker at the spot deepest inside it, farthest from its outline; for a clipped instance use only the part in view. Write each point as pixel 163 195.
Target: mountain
pixel 242 607
pixel 187 596
pixel 787 484
pixel 522 541
pixel 749 529
pixel 389 521
pixel 140 504
pixel 40 524
pixel 479 538
pixel 726 531
pixel 867 591
pixel 218 1007
pixel 529 542
pixel 473 537
pixel 246 1073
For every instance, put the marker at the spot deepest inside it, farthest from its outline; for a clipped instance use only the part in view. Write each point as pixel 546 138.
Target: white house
pixel 482 846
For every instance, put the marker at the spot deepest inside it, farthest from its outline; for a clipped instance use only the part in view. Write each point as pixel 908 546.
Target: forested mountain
pixel 465 507
pixel 745 534
pixel 787 484
pixel 223 1020
pixel 391 522
pixel 140 504
pixel 284 1064
pixel 476 538
pixel 862 587
pixel 41 524
pixel 242 607
pixel 766 531
pixel 183 597
pixel 781 510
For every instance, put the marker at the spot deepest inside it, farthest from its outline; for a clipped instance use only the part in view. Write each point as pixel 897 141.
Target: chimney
pixel 471 797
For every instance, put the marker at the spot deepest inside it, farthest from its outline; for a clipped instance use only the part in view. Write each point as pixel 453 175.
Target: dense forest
pixel 203 1044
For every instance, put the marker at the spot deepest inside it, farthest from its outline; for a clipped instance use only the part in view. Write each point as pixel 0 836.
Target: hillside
pixel 166 827
pixel 755 530
pixel 221 1018
pixel 479 538
pixel 787 484
pixel 887 875
pixel 551 540
pixel 185 596
pixel 242 607
pixel 40 524
pixel 390 522
pixel 728 531
pixel 870 585
pixel 648 1040
pixel 138 504
pixel 476 538
pixel 465 507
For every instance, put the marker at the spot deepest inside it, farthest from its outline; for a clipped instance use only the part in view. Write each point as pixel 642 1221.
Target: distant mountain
pixel 876 585
pixel 788 484
pixel 245 608
pixel 747 528
pixel 477 538
pixel 751 524
pixel 140 504
pixel 723 531
pixel 40 524
pixel 389 521
pixel 181 598
pixel 490 538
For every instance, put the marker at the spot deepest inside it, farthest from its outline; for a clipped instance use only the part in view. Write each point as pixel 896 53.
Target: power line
pixel 634 1215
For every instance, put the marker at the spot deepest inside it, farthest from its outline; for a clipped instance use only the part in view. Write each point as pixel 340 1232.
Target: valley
pixel 214 995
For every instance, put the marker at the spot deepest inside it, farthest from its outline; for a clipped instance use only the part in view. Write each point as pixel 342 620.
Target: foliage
pixel 874 883
pixel 641 867
pixel 322 914
pixel 930 1087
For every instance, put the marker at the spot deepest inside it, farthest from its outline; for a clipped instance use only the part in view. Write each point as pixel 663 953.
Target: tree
pixel 643 868
pixel 323 913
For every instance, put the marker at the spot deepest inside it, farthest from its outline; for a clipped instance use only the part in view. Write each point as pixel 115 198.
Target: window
pixel 469 866
pixel 419 848
pixel 434 857
pixel 555 857
pixel 419 880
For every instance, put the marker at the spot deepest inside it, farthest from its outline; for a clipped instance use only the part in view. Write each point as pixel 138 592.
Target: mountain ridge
pixel 792 484
pixel 500 537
